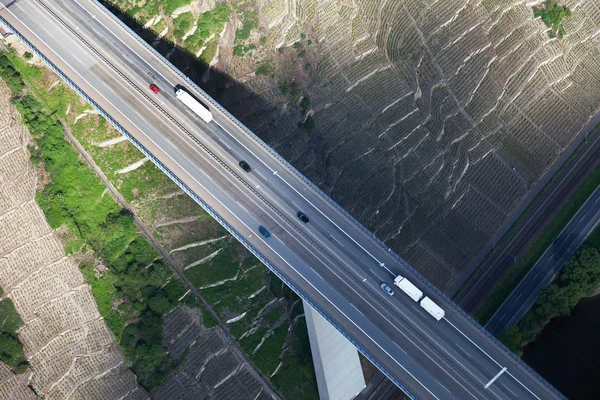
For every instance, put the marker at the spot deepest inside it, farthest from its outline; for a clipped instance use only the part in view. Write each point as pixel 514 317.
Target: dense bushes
pixel 11 349
pixel 137 279
pixel 11 76
pixel 553 15
pixel 579 277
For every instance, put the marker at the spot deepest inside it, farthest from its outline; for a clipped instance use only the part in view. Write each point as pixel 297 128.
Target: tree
pixel 553 15
pixel 512 338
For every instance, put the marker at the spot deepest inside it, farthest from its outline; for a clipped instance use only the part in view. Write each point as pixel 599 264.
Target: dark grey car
pixel 245 166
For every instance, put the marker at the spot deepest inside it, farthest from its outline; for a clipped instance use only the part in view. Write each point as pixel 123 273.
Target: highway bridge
pixel 333 262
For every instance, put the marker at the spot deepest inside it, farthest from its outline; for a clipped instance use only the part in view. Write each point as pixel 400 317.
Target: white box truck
pixel 407 287
pixel 432 308
pixel 198 108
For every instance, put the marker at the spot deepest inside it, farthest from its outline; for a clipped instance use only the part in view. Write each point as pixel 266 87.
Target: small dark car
pixel 557 242
pixel 263 231
pixel 154 88
pixel 245 166
pixel 387 289
pixel 303 217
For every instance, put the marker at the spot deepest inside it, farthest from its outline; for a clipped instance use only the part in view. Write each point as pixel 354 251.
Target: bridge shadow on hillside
pixel 243 105
pixel 217 83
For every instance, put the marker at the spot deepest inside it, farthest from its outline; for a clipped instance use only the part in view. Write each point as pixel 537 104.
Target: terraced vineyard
pixel 432 119
pixel 192 353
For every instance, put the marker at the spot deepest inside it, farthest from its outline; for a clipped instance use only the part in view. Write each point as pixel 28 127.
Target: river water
pixel 567 353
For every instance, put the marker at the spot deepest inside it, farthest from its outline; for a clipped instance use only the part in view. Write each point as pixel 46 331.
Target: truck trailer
pixel 432 308
pixel 407 287
pixel 198 108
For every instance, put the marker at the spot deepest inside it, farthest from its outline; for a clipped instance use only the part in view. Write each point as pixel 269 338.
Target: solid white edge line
pixel 243 223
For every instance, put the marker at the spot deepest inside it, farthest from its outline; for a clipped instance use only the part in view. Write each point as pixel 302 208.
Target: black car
pixel 245 166
pixel 303 217
pixel 557 242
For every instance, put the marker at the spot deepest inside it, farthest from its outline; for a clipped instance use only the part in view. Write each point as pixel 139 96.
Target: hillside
pixel 428 121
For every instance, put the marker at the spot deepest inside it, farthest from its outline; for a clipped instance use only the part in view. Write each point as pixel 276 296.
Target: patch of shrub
pixel 553 16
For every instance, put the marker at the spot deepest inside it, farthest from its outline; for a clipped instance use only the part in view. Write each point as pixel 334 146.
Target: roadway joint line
pixel 212 212
pixel 335 306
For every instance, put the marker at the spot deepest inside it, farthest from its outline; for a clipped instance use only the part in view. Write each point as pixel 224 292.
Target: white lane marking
pixel 242 207
pixel 487 385
pixel 490 357
pixel 263 240
pixel 507 388
pixel 261 206
pixel 472 342
pixel 305 199
pixel 316 273
pixel 357 309
pixel 518 297
pixel 459 347
pixel 313 206
pixel 331 236
pixel 126 45
pixel 526 388
pixel 582 218
pixel 400 348
pixel 261 175
pixel 78 60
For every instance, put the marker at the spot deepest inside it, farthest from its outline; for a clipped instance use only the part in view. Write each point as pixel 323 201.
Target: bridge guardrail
pixel 258 140
pixel 416 273
pixel 204 205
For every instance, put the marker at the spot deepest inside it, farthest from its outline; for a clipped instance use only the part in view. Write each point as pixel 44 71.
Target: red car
pixel 154 88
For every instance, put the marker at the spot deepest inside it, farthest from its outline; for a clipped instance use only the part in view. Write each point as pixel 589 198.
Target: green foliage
pixel 262 41
pixel 171 5
pixel 103 293
pixel 182 24
pixel 73 198
pixel 302 54
pixel 249 22
pixel 267 358
pixel 238 50
pixel 11 349
pixel 10 320
pixel 308 125
pixel 307 67
pixel 553 16
pixel 579 277
pixel 296 379
pixel 159 304
pixel 305 104
pixel 265 68
pixel 308 42
pixel 27 55
pixel 297 45
pixel 211 22
pixel 285 89
pixel 538 246
pixel 11 76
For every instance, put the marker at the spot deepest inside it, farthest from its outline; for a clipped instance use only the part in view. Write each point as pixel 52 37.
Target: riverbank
pixel 579 278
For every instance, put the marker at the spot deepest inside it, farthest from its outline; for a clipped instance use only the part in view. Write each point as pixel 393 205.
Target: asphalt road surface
pixel 331 261
pixel 549 264
pixel 481 283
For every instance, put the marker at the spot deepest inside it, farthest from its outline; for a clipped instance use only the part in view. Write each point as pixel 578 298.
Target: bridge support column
pixel 337 366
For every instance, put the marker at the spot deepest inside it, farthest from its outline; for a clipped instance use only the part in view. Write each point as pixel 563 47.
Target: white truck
pixel 198 108
pixel 407 287
pixel 432 308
